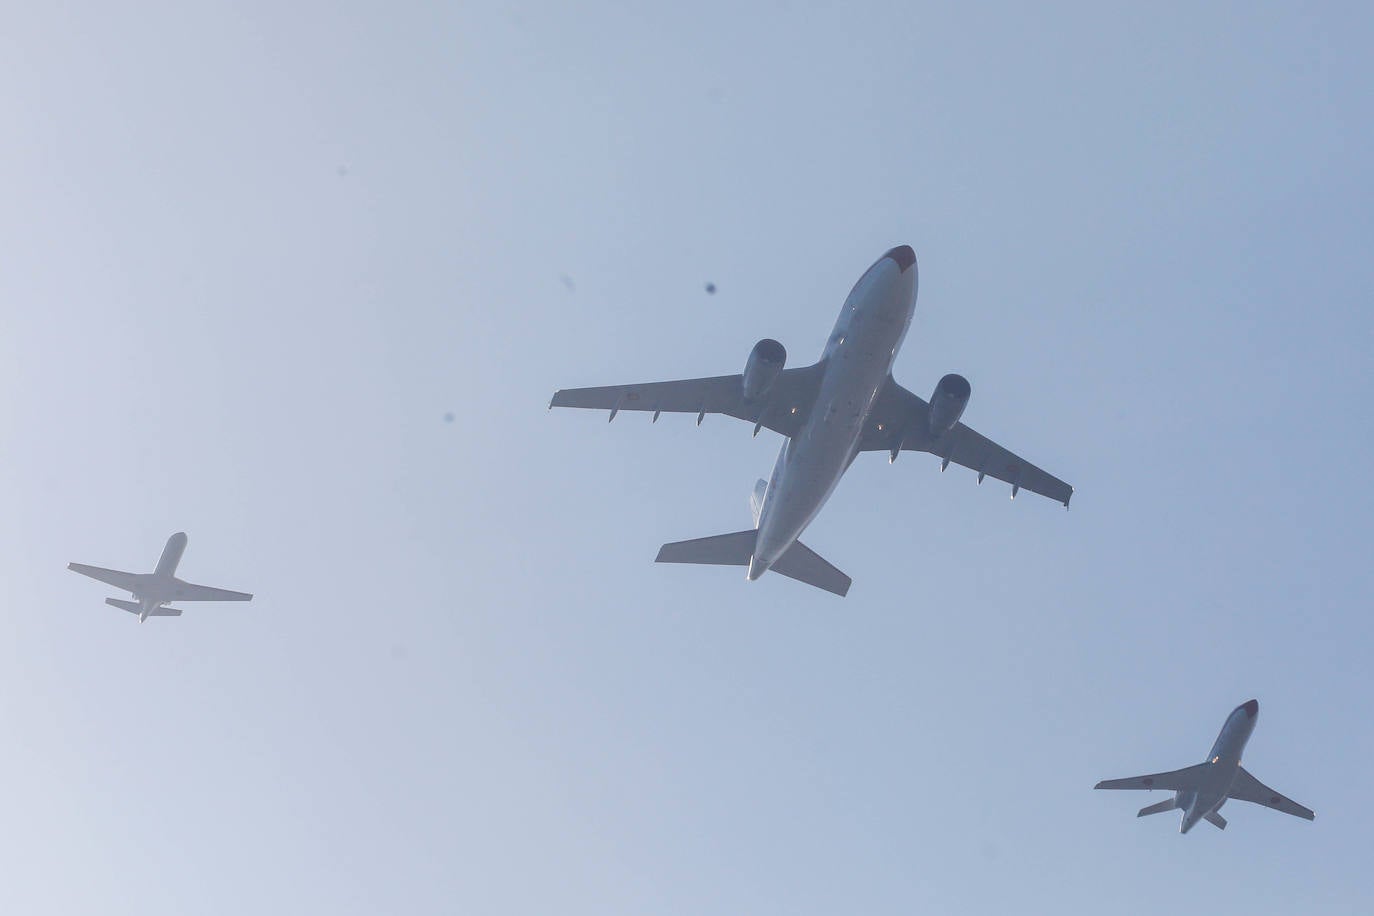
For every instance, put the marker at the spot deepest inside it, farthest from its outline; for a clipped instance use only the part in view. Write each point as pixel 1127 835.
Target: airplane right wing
pixel 1173 781
pixel 899 423
pixel 185 591
pixel 783 409
pixel 125 581
pixel 1248 788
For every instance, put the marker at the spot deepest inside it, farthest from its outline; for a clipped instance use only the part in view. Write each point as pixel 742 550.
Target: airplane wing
pixel 1173 781
pixel 185 591
pixel 783 409
pixel 125 581
pixel 900 416
pixel 1248 788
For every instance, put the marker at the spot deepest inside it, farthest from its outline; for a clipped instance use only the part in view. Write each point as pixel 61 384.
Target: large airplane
pixel 155 589
pixel 845 403
pixel 1200 791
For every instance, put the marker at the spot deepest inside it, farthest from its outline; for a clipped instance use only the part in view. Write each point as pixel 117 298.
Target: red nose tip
pixel 904 257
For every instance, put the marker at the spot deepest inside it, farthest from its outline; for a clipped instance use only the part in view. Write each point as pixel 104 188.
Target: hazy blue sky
pixel 254 252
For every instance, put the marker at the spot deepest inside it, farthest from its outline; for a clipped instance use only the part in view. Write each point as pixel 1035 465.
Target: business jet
pixel 1200 791
pixel 154 590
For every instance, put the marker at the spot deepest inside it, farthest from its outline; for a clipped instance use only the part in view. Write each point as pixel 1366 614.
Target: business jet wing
pixel 124 581
pixel 783 409
pixel 185 591
pixel 1248 788
pixel 900 416
pixel 1173 781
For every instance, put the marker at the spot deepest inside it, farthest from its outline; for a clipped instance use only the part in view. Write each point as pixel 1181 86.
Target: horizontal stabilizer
pixel 1216 820
pixel 805 565
pixel 1166 805
pixel 733 549
pixel 133 607
pixel 737 548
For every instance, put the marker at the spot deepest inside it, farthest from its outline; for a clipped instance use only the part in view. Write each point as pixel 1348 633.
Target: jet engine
pixel 947 403
pixel 763 368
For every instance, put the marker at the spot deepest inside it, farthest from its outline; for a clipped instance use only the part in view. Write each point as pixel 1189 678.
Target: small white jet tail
pixel 737 548
pixel 1166 805
pixel 133 607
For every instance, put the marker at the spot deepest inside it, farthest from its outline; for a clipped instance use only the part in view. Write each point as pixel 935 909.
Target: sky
pixel 299 280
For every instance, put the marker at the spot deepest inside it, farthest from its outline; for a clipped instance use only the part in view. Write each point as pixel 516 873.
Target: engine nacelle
pixel 948 402
pixel 765 365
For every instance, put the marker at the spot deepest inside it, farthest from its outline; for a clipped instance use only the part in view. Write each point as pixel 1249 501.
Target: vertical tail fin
pixel 756 499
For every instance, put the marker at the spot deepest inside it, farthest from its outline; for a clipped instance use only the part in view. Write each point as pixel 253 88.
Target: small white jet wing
pixel 900 418
pixel 125 581
pixel 1172 781
pixel 783 409
pixel 185 591
pixel 1248 788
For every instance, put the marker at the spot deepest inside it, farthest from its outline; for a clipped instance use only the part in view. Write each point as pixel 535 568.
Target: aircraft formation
pixel 828 413
pixel 846 403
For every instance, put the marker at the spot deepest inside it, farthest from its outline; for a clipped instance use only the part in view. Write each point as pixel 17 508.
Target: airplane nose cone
pixel 1251 708
pixel 904 257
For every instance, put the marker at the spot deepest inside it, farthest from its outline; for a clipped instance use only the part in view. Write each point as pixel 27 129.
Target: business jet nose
pixel 904 257
pixel 1251 708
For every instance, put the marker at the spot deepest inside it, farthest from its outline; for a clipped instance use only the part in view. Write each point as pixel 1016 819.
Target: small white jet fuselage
pixel 1222 765
pixel 153 591
pixel 1201 790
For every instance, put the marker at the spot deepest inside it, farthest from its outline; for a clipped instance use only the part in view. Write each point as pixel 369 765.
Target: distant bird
pixel 711 288
pixel 567 281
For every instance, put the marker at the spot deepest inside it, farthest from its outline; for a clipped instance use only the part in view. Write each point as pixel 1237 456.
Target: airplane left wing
pixel 1173 781
pixel 124 581
pixel 1248 788
pixel 783 409
pixel 900 422
pixel 185 591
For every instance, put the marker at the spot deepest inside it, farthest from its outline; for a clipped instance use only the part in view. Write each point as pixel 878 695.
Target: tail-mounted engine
pixel 763 368
pixel 947 403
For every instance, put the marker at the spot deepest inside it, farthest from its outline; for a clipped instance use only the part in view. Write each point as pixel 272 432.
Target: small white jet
pixel 1200 791
pixel 155 589
pixel 829 412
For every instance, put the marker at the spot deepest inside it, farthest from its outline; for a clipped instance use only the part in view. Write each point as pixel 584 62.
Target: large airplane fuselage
pixel 1222 764
pixel 857 362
